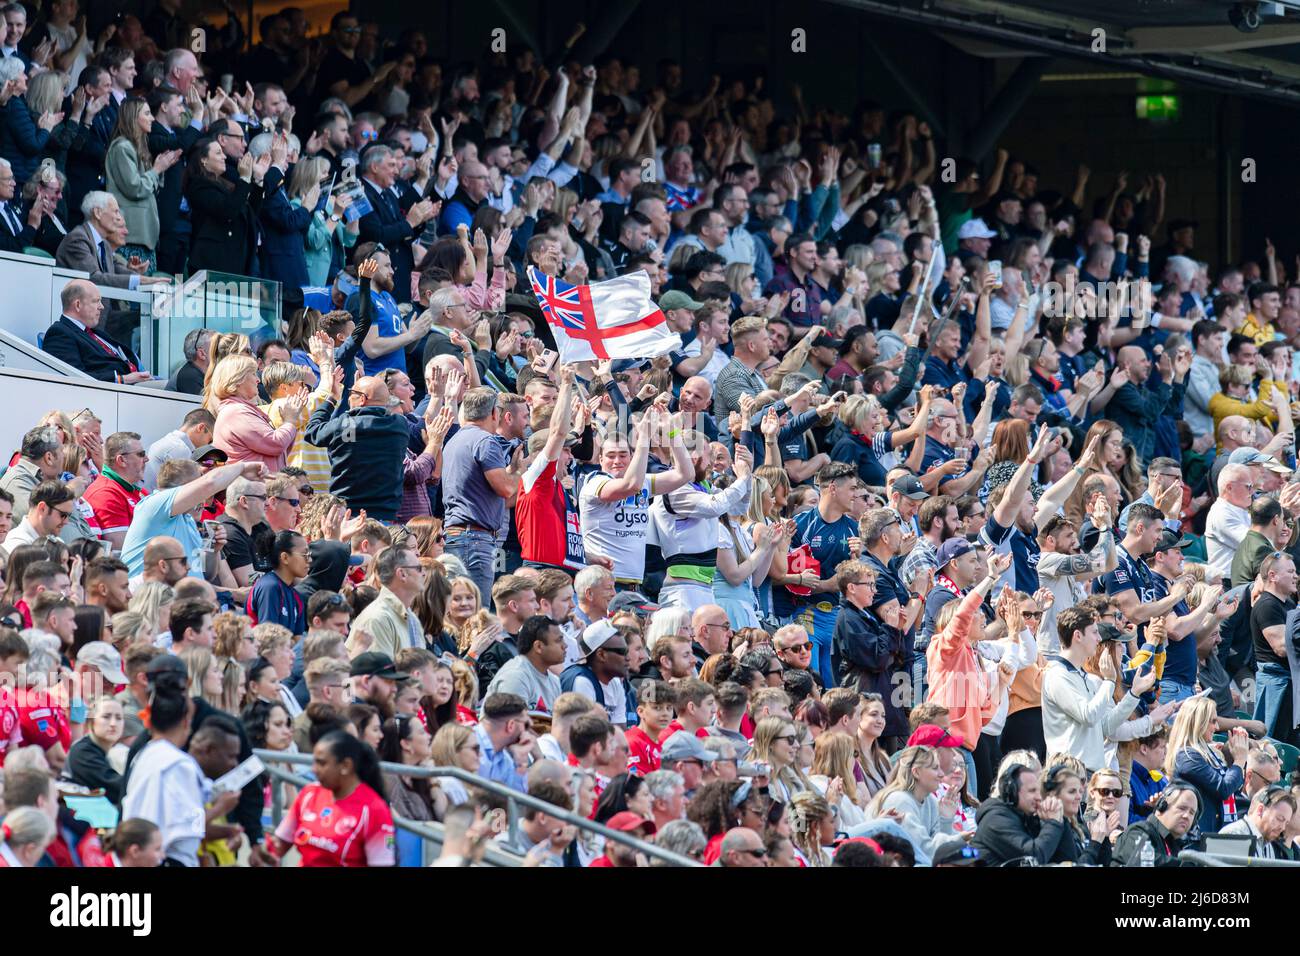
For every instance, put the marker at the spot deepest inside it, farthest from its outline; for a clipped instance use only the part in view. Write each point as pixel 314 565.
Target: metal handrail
pixel 1218 859
pixel 514 799
pixel 433 833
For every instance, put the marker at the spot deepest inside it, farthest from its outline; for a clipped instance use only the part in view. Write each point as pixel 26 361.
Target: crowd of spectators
pixel 961 530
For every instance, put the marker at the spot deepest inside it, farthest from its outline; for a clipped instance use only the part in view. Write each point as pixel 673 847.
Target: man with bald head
pixel 712 632
pixel 1138 403
pixel 742 847
pixel 471 192
pixel 366 444
pixel 1229 519
pixel 165 560
pixel 694 402
pixel 75 338
pixel 1235 431
pixel 956 475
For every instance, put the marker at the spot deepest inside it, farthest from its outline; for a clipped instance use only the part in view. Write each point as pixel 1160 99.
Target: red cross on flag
pixel 614 319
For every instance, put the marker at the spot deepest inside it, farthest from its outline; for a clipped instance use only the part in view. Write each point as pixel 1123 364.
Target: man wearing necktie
pixel 385 223
pixel 16 235
pixel 76 338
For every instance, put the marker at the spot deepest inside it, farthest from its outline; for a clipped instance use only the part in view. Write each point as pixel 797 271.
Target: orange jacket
pixel 956 677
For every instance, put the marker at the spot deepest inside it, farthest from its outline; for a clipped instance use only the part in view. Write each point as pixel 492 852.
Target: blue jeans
pixel 820 625
pixel 919 666
pixel 477 551
pixel 1172 691
pixel 1273 699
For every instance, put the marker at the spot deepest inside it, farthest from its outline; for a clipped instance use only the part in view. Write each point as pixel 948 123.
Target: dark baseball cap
pixel 633 601
pixel 951 550
pixel 375 664
pixel 1172 539
pixel 828 341
pixel 208 451
pixel 909 486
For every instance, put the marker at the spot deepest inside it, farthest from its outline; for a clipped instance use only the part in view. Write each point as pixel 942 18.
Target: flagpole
pixel 920 296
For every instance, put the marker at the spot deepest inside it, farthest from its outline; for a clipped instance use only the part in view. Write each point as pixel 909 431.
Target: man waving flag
pixel 606 320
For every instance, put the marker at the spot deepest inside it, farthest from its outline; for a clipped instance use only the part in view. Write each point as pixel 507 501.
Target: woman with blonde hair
pixel 326 233
pixel 1105 789
pixel 869 444
pixel 27 832
pixel 152 600
pixel 243 431
pixel 234 636
pixel 206 679
pixel 219 346
pixel 776 742
pixel 129 627
pixel 455 745
pixel 832 773
pixel 465 693
pixel 134 176
pixel 315 512
pixel 1195 759
pixel 911 792
pixel 873 766
pixel 812 827
pixel 462 604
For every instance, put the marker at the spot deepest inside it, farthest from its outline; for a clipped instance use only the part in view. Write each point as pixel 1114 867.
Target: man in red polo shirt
pixel 115 493
pixel 618 854
pixel 540 507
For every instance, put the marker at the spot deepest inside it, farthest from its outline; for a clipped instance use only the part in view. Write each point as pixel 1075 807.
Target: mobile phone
pixel 873 155
pixel 775 812
pixel 995 270
pixel 227 82
pixel 106 546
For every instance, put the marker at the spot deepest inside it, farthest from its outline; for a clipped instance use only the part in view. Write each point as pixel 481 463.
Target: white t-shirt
pixel 616 530
pixel 615 697
pixel 716 364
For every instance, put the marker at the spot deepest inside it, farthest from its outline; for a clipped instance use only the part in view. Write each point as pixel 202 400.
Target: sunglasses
pixel 1110 792
pixel 294 502
pixel 756 854
pixel 799 648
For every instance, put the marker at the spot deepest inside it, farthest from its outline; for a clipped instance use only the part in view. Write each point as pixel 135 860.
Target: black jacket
pixel 1149 832
pixel 866 653
pixel 1003 833
pixel 88 765
pixel 162 140
pixel 367 447
pixel 224 237
pixel 70 344
pixel 493 659
pixel 1082 850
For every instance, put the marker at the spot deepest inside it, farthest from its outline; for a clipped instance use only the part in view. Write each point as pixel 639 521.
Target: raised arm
pixel 1005 513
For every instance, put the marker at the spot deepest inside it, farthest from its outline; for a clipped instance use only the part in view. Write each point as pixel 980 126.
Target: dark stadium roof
pixel 1190 40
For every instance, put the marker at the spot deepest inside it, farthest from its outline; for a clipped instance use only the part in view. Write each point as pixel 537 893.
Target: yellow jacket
pixel 1260 333
pixel 1221 406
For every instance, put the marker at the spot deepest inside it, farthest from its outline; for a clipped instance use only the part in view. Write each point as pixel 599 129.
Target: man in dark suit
pixel 170 132
pixel 85 164
pixel 75 338
pixel 385 223
pixel 17 230
pixel 15 15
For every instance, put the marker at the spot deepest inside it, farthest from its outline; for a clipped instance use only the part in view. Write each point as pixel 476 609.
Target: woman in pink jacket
pixel 956 675
pixel 243 431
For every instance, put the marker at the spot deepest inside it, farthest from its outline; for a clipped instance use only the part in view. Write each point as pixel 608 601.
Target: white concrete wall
pixel 27 395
